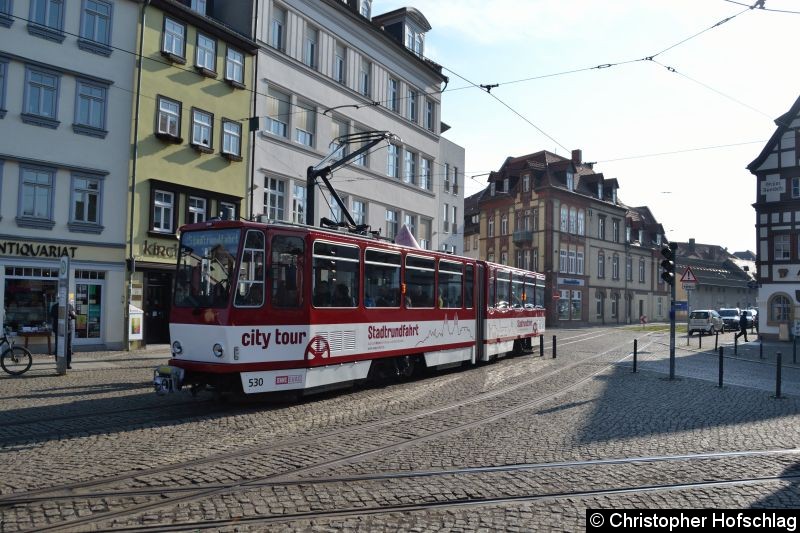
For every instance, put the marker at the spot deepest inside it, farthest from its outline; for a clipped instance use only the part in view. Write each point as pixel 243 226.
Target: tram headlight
pixel 218 351
pixel 177 349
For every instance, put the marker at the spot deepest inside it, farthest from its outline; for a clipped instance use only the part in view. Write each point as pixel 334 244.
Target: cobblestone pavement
pixel 534 441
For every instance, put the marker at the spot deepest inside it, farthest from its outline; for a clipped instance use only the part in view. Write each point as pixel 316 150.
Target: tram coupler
pixel 167 379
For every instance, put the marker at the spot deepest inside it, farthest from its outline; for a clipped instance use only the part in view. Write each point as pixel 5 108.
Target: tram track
pixel 75 490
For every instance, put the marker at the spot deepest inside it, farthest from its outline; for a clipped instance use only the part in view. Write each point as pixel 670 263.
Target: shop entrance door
pixel 157 300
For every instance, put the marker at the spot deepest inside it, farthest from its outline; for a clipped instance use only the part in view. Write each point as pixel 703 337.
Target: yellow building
pixel 190 158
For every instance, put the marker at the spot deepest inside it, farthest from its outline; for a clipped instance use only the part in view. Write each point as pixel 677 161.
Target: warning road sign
pixel 688 276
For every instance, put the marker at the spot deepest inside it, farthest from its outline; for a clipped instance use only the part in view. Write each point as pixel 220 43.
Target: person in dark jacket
pixel 742 326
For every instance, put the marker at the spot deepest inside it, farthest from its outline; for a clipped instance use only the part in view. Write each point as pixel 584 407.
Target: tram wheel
pixel 406 365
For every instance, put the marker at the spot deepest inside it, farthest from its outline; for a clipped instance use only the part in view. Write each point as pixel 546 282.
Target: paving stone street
pixel 526 443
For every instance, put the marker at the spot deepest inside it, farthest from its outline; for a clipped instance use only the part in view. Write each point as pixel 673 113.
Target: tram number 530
pixel 255 382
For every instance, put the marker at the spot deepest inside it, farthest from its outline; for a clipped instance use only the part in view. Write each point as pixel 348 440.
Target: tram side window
pixel 503 296
pixel 539 291
pixel 528 294
pixel 492 292
pixel 469 286
pixel 336 274
pixel 382 278
pixel 286 271
pixel 420 274
pixel 250 289
pixel 517 291
pixel 451 278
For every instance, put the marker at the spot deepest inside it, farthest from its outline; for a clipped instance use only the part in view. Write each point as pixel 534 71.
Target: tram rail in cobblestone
pixel 69 490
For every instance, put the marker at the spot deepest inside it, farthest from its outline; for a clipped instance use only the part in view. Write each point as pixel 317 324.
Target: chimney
pixel 577 157
pixel 691 245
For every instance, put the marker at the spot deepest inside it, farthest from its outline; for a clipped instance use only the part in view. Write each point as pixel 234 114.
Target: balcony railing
pixel 523 236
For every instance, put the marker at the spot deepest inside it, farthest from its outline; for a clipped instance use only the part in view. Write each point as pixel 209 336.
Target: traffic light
pixel 668 264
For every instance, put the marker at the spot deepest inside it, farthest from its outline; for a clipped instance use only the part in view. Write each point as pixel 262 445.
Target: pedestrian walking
pixel 742 326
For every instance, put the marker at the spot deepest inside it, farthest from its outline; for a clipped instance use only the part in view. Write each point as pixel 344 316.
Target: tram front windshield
pixel 206 267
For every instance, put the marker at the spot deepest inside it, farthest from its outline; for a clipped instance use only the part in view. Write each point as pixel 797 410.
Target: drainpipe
pixel 254 117
pixel 135 157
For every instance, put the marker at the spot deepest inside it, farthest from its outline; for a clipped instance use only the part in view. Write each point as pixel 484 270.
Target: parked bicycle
pixel 15 360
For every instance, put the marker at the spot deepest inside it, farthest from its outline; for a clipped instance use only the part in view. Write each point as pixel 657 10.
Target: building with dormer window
pixel 558 216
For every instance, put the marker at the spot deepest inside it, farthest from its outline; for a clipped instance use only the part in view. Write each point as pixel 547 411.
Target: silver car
pixel 705 321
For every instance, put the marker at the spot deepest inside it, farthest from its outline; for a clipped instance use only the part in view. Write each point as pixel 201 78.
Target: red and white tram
pixel 263 307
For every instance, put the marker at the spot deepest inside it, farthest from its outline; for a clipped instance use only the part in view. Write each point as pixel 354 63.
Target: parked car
pixel 705 321
pixel 730 318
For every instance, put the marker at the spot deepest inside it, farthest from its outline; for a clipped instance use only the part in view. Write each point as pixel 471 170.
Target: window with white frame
pixel 641 270
pixel 364 77
pixel 91 109
pixel 615 267
pixel 278 113
pixel 227 210
pixel 429 115
pixel 234 67
pixel 274 198
pixel 231 138
pixel 340 64
pixel 629 268
pixel 277 28
pixel 298 204
pixel 359 212
pixel 48 14
pixel 564 218
pixel 504 224
pixel 41 96
pixel 425 181
pixel 445 219
pixel 579 263
pixel 526 183
pixel 504 258
pixel 86 196
pixel 336 210
pixel 197 210
pixel 391 223
pixel 601 265
pixel 446 175
pixel 206 53
pixel 455 180
pixel 393 98
pixel 490 225
pixel 573 264
pixel 570 181
pixel 424 235
pixel 202 128
pixel 563 261
pixel 310 36
pixel 615 229
pixel 163 211
pixel 392 162
pixel 581 222
pixel 782 247
pixel 410 167
pixel 601 228
pixel 96 24
pixel 305 123
pixel 339 129
pixel 412 105
pixel 411 222
pixel 174 42
pixel 573 220
pixel 37 192
pixel 453 211
pixel 169 117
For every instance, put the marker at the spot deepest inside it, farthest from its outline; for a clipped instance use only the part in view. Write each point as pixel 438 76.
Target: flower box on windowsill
pixel 231 157
pixel 235 84
pixel 174 58
pixel 167 137
pixel 202 148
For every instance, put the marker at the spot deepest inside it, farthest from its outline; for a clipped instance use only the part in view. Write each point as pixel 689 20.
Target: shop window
pixel 28 300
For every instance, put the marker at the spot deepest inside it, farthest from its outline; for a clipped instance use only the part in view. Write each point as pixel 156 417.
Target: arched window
pixel 581 222
pixel 573 220
pixel 780 309
pixel 563 218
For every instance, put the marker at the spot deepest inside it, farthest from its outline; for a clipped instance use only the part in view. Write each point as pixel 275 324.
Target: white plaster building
pixel 326 69
pixel 66 85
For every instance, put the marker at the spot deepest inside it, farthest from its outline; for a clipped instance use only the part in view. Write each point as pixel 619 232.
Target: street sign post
pixel 62 324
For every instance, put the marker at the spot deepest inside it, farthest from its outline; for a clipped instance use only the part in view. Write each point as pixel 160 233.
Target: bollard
pixel 778 375
pixel 635 349
pixel 541 345
pixel 735 345
pixel 716 340
pixel 720 367
pixel 700 342
pixel 554 346
pixel 760 347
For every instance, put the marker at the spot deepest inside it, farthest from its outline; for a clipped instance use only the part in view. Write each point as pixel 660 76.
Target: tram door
pixel 480 314
pixel 157 304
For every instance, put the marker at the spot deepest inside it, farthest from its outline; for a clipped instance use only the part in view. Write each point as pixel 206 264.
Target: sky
pixel 677 131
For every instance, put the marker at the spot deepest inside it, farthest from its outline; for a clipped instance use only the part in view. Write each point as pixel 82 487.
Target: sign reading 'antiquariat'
pixel 28 249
